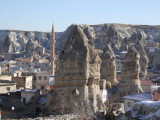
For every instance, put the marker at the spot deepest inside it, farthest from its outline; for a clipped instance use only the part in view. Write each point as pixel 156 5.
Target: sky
pixel 39 15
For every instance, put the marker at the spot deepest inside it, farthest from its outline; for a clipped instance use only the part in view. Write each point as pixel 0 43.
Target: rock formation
pixel 77 77
pixel 143 59
pixel 108 67
pixel 145 110
pixel 97 35
pixel 130 83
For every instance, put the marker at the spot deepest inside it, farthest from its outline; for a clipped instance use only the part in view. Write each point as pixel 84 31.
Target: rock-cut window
pixel 72 38
pixel 40 78
pixel 129 104
pixel 45 77
pixel 8 88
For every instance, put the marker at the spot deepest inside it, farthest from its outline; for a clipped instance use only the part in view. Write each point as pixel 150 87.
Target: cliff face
pixel 120 35
pixel 117 35
pixel 13 41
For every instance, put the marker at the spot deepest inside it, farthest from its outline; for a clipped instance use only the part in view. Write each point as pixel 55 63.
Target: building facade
pixel 23 82
pixel 7 86
pixel 42 80
pixel 29 96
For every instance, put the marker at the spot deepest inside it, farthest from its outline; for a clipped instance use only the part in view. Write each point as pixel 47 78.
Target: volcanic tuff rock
pixel 108 67
pixel 119 36
pixel 77 77
pixel 130 83
pixel 97 35
pixel 143 59
pixel 19 40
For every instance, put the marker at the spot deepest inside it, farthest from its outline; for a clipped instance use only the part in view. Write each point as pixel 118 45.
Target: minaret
pixel 52 50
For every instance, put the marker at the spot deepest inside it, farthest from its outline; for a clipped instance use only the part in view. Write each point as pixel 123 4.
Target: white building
pixel 42 80
pixel 118 63
pixel 130 100
pixel 7 86
pixel 43 64
pixel 123 55
pixel 104 91
pixel 152 47
pixel 29 96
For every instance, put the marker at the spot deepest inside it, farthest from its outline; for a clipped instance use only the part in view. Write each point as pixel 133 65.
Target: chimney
pixel 52 50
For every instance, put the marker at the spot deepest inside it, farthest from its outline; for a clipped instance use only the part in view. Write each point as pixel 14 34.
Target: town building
pixel 130 100
pixel 152 47
pixel 7 86
pixel 29 96
pixel 119 60
pixel 0 70
pixel 123 54
pixel 43 64
pixel 23 82
pixel 6 77
pixel 156 95
pixel 13 55
pixel 6 66
pixel 118 63
pixel 146 85
pixel 16 70
pixel 103 89
pixel 42 80
pixel 24 62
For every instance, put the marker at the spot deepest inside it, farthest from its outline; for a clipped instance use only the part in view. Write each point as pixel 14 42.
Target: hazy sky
pixel 38 15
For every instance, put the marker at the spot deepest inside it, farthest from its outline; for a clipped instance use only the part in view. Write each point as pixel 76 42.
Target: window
pixel 129 104
pixel 42 87
pixel 45 77
pixel 40 78
pixel 24 100
pixel 8 88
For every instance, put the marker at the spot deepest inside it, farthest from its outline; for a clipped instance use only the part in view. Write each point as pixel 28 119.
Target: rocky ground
pixel 66 117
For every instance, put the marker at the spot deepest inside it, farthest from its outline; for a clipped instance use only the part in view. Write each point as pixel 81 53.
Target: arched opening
pixel 38 112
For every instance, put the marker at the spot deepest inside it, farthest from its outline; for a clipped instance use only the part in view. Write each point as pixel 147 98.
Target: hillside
pixel 118 35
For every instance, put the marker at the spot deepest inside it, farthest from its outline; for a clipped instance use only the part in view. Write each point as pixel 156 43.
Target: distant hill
pixel 117 35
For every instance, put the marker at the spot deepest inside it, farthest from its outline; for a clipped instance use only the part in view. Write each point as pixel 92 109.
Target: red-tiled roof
pixel 23 60
pixel 156 97
pixel 147 82
pixel 158 90
pixel 118 77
